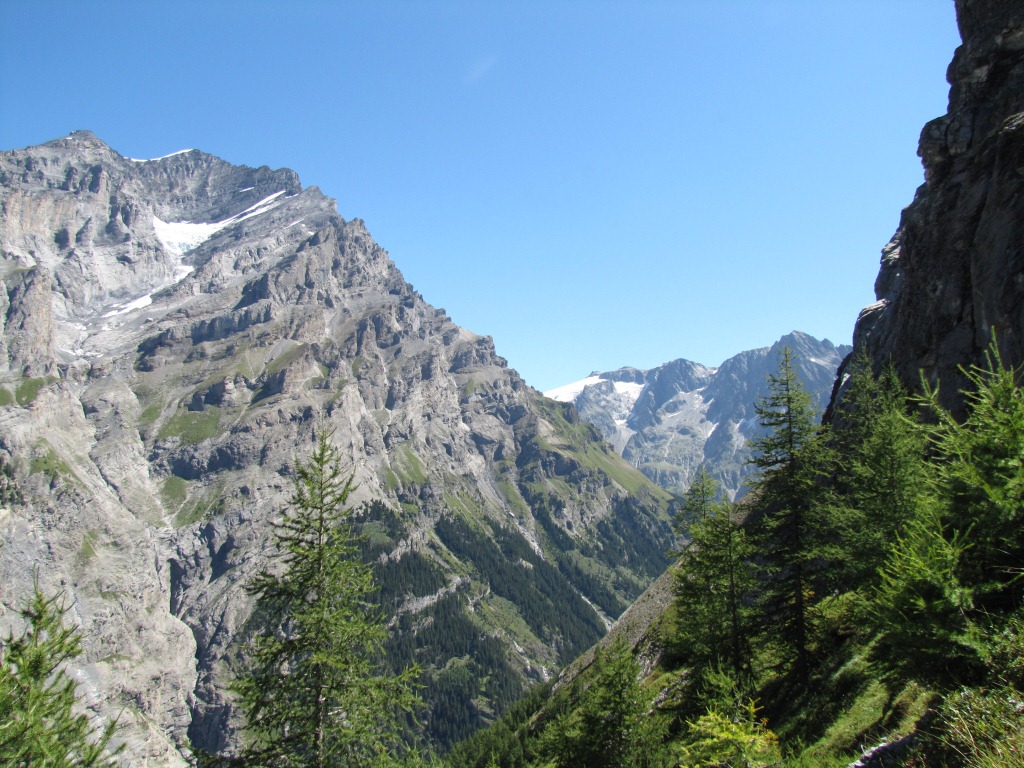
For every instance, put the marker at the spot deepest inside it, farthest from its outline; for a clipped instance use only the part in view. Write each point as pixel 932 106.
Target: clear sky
pixel 594 184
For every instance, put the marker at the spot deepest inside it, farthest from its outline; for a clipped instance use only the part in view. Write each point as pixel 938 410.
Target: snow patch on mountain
pixel 629 389
pixel 180 273
pixel 180 237
pixel 162 157
pixel 139 303
pixel 568 392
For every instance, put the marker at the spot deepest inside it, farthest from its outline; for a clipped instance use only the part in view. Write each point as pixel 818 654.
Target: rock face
pixel 669 420
pixel 954 271
pixel 173 332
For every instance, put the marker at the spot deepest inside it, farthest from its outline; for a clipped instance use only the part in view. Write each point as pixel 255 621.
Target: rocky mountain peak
pixel 985 23
pixel 173 331
pixel 627 374
pixel 669 420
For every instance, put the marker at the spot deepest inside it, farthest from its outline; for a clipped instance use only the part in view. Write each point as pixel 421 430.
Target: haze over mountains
pixel 667 421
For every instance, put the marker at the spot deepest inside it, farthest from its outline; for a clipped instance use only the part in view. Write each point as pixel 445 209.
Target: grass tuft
pixel 192 427
pixel 28 390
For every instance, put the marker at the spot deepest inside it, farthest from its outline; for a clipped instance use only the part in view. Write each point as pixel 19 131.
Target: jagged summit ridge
pixel 174 329
pixel 115 207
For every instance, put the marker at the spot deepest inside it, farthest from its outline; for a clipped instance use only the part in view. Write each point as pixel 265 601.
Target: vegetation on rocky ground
pixel 41 723
pixel 313 689
pixel 869 592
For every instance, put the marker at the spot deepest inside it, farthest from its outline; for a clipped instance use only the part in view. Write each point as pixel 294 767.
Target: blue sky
pixel 594 184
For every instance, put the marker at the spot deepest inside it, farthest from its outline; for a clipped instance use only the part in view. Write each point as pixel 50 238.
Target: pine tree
pixel 698 500
pixel 608 725
pixel 980 464
pixel 792 458
pixel 883 475
pixel 713 584
pixel 920 605
pixel 958 567
pixel 857 404
pixel 312 694
pixel 38 725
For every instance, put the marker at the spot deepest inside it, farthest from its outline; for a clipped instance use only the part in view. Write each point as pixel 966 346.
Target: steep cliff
pixel 173 332
pixel 954 271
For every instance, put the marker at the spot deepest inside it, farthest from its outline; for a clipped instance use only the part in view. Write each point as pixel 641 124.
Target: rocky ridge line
pixel 174 331
pixel 669 420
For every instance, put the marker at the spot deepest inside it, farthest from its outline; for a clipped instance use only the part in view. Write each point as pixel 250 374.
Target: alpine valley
pixel 174 332
pixel 917 659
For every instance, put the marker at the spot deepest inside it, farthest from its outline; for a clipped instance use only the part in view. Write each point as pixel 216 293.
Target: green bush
pixel 738 738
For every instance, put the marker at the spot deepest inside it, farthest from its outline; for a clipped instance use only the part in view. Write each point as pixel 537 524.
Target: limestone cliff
pixel 173 332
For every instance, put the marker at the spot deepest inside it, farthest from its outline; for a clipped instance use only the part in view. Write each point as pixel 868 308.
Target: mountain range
pixel 670 420
pixel 174 333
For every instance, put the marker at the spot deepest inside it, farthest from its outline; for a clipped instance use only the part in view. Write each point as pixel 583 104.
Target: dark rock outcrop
pixel 953 274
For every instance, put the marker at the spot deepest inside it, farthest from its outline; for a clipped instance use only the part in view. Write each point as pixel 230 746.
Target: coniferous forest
pixel 866 592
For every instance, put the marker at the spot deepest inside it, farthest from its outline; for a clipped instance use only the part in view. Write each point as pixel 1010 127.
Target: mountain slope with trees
pixel 780 647
pixel 904 644
pixel 173 332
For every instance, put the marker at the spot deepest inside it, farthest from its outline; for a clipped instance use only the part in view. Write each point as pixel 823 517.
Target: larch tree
pixel 958 567
pixel 792 458
pixel 607 724
pixel 882 475
pixel 697 502
pixel 312 692
pixel 39 724
pixel 714 582
pixel 980 464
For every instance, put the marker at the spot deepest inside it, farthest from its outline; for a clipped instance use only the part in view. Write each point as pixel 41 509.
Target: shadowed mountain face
pixel 954 271
pixel 174 330
pixel 669 420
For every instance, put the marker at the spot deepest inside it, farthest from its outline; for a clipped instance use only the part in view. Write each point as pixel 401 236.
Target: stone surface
pixel 954 271
pixel 173 332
